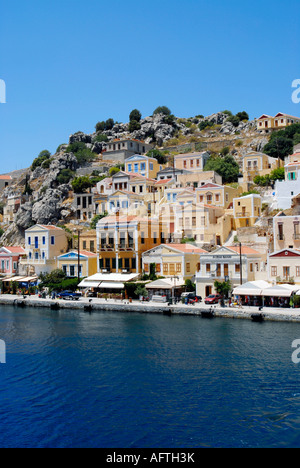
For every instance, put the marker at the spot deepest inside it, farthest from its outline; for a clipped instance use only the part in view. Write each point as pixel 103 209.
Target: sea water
pixel 128 380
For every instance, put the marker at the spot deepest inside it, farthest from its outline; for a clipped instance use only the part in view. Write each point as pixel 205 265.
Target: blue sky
pixel 68 64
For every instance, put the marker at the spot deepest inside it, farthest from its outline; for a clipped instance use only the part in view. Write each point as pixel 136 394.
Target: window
pixel 142 238
pixel 286 272
pixel 274 271
pixel 208 268
pixel 143 166
pixel 72 270
pixel 178 267
pixel 151 166
pixel 84 245
pixel 36 242
pixel 15 265
pixel 146 268
pixel 29 240
pixel 129 167
pixel 44 240
pixel 52 240
pixel 188 267
pixel 298 271
pixel 136 168
pixel 251 267
pixel 166 268
pixel 237 268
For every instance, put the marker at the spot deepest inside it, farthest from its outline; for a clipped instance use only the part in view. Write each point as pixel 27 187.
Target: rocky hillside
pixel 51 197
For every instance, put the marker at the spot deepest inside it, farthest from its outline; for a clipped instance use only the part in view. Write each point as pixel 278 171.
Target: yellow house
pixel 206 224
pixel 88 240
pixel 217 195
pixel 121 241
pixel 68 262
pixel 143 165
pixel 169 260
pixel 261 164
pixel 43 244
pixel 246 210
pixel 266 123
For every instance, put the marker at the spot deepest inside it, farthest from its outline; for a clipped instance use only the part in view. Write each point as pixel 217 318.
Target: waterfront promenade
pixel 111 305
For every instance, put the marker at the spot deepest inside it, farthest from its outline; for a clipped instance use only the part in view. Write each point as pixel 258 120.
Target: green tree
pixel 223 288
pixel 135 115
pixel 96 219
pixel 100 126
pixel 226 167
pixel 279 147
pixel 43 156
pixel 190 286
pixel 278 174
pixel 81 184
pixel 156 154
pixel 134 125
pixel 162 110
pixel 113 171
pixel 109 124
pixel 234 119
pixel 65 176
pixel 242 116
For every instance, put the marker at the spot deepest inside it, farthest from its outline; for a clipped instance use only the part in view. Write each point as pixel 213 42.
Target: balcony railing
pixel 244 214
pixel 296 236
pixel 280 237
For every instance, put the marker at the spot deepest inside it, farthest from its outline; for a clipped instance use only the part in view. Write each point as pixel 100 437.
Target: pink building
pixel 9 259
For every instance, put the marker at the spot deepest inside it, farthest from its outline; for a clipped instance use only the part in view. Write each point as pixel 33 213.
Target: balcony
pixel 244 214
pixel 296 236
pixel 280 237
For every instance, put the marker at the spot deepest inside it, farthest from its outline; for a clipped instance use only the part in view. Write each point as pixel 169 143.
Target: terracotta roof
pixel 163 181
pixel 15 249
pixel 186 248
pixel 5 177
pixel 245 250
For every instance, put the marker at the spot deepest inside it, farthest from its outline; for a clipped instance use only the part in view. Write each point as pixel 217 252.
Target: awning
pixel 108 285
pixel 283 290
pixel 89 284
pixel 168 283
pixel 252 288
pixel 21 279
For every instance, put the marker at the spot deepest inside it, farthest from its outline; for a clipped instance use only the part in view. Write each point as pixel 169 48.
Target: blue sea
pixel 116 380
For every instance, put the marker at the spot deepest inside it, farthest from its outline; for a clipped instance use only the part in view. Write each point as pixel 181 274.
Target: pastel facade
pixel 120 150
pixel 88 241
pixel 121 241
pixel 217 195
pixel 206 224
pixel 191 161
pixel 143 165
pixel 224 264
pixel 181 260
pixel 9 259
pixel 68 262
pixel 284 266
pixel 43 244
pixel 261 164
pixel 268 123
pixel 286 190
pixel 286 232
pixel 247 210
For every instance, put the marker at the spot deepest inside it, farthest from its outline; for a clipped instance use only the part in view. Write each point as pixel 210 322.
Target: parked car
pixel 69 295
pixel 213 299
